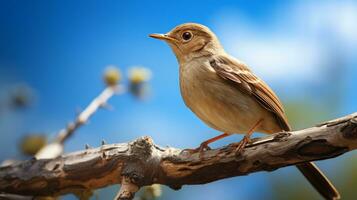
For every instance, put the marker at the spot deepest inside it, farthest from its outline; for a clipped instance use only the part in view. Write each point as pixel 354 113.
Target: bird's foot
pixel 201 149
pixel 241 145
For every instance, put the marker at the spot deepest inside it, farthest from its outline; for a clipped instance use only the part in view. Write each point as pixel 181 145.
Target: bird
pixel 227 96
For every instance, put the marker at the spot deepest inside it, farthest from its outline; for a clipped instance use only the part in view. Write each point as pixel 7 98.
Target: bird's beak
pixel 162 37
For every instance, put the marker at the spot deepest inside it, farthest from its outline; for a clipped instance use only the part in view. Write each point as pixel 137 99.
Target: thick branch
pixel 144 163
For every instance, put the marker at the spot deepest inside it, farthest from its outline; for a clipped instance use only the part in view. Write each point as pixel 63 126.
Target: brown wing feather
pixel 246 81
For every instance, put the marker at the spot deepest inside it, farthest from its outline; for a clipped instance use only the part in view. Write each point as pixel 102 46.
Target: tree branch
pixel 141 162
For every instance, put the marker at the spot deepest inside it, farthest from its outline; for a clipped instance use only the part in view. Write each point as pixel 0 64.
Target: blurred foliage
pixel 348 177
pixel 303 114
pixel 32 143
pixel 293 189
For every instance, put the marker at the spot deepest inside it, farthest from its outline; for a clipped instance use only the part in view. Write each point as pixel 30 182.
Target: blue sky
pixel 60 49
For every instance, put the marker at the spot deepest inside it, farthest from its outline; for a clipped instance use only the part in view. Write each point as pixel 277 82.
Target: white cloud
pixel 294 44
pixel 281 59
pixel 336 19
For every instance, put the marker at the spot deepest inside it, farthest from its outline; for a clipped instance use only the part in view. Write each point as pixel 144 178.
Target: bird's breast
pixel 219 104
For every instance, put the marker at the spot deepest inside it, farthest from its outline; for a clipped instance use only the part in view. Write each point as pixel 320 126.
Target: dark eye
pixel 186 36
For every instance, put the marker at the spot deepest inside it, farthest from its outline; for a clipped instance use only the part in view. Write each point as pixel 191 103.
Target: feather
pixel 240 75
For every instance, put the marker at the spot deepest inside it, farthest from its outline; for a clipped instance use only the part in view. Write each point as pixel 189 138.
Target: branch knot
pixel 142 146
pixel 349 131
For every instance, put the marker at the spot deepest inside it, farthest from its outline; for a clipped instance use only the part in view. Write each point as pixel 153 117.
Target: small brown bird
pixel 224 93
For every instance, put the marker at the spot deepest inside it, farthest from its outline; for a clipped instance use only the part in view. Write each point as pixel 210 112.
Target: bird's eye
pixel 186 36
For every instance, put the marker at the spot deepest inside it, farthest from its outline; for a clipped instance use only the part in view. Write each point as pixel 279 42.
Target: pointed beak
pixel 162 37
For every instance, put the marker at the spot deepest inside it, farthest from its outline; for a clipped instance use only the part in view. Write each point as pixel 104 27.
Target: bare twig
pixel 145 163
pixel 83 117
pixel 55 148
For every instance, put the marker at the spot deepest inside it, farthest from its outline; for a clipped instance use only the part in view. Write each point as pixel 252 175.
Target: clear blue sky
pixel 60 48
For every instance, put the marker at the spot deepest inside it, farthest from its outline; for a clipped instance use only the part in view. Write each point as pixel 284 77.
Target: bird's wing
pixel 239 74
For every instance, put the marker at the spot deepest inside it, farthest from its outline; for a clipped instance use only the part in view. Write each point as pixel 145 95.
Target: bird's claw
pixel 241 145
pixel 201 149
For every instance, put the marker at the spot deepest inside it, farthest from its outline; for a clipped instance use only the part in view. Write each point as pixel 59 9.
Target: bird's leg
pixel 246 138
pixel 204 145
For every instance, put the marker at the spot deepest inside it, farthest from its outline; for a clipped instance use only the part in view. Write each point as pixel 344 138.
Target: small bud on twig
pixel 32 143
pixel 139 76
pixel 112 76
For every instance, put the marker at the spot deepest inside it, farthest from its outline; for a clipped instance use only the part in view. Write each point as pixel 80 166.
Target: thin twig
pixel 83 117
pixel 55 148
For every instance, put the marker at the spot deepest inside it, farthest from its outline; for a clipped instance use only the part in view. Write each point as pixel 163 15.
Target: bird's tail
pixel 319 180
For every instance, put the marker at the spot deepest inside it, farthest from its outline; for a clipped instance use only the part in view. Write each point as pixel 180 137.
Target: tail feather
pixel 319 180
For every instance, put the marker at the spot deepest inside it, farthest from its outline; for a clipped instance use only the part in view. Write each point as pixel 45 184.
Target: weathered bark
pixel 143 163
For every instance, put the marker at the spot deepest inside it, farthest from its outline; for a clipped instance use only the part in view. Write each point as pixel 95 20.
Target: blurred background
pixel 53 54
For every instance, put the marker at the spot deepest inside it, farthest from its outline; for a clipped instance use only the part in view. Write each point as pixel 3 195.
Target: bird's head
pixel 190 41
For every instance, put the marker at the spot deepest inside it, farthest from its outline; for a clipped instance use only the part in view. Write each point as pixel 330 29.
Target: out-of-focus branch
pixel 100 101
pixel 141 162
pixel 54 149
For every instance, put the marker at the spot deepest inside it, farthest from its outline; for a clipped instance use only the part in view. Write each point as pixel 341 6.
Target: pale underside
pixel 219 104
